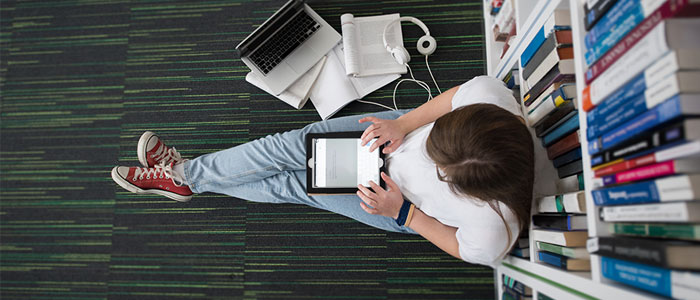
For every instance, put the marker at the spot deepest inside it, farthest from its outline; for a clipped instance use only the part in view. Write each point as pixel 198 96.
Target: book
pixel 622 17
pixel 565 128
pixel 669 167
pixel 647 144
pixel 538 89
pixel 594 13
pixel 521 252
pixel 655 252
pixel 334 90
pixel 670 212
pixel 651 57
pixel 617 111
pixel 657 230
pixel 522 242
pixel 516 286
pixel 560 115
pixel 560 221
pixel 573 202
pixel 674 188
pixel 563 262
pixel 560 19
pixel 567 157
pixel 579 253
pixel 558 41
pixel 665 282
pixel 510 294
pixel 669 9
pixel 296 94
pixel 570 169
pixel 545 93
pixel 676 151
pixel 557 98
pixel 564 145
pixel 675 107
pixel 569 184
pixel 561 238
pixel 563 66
pixel 365 53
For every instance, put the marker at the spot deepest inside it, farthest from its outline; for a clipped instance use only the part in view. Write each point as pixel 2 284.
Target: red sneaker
pixel 152 151
pixel 157 180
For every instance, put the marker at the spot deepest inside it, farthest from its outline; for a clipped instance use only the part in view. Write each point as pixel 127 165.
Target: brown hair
pixel 486 152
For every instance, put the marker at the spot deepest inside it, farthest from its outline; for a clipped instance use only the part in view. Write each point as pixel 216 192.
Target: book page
pixel 296 94
pixel 374 59
pixel 351 42
pixel 333 89
pixel 365 85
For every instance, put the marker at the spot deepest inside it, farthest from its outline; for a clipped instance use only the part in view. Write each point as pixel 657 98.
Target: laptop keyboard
pixel 277 48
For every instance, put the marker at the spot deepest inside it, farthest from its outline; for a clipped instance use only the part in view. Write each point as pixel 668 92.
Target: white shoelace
pixel 160 171
pixel 167 156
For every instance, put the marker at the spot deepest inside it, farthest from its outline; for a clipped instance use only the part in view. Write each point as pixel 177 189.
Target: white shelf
pixel 556 283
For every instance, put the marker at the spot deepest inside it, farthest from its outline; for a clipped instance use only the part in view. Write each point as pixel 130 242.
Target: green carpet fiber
pixel 80 80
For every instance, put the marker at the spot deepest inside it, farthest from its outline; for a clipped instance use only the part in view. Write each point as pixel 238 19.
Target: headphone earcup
pixel 401 55
pixel 430 48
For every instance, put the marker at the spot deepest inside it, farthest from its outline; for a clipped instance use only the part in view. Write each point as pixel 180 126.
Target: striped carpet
pixel 80 80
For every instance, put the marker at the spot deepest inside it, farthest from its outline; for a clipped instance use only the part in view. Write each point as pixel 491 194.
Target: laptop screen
pixel 344 163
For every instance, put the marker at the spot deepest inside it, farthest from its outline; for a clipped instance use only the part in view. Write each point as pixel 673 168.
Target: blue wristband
pixel 403 213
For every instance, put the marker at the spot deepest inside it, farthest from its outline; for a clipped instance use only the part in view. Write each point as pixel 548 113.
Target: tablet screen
pixel 344 162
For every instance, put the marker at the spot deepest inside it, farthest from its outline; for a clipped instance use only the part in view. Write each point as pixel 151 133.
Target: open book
pixel 296 94
pixel 365 54
pixel 333 89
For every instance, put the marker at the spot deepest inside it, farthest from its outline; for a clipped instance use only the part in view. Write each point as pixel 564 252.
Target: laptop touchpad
pixel 303 59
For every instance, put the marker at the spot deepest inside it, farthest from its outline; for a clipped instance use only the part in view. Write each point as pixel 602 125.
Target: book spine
pixel 675 231
pixel 532 47
pixel 623 13
pixel 617 99
pixel 562 113
pixel 564 145
pixel 567 127
pixel 637 250
pixel 545 49
pixel 593 15
pixel 573 204
pixel 642 173
pixel 637 60
pixel 552 76
pixel 550 204
pixel 636 193
pixel 655 212
pixel 546 108
pixel 652 279
pixel 626 165
pixel 667 110
pixel 667 10
pixel 612 37
pixel 552 259
pixel 558 222
pixel 567 157
pixel 570 169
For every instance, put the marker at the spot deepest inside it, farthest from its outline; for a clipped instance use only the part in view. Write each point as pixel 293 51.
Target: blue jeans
pixel 272 169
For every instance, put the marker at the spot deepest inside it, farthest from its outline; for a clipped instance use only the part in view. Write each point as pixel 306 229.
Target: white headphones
pixel 399 52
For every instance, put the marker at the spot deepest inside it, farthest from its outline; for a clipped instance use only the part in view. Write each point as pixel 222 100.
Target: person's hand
pixel 383 202
pixel 385 131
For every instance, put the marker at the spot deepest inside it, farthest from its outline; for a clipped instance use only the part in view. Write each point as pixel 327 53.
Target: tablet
pixel 337 163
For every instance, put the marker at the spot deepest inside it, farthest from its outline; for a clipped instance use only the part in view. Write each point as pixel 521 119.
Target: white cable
pixel 431 75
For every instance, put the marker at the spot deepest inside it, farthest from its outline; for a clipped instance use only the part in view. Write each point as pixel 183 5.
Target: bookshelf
pixel 530 16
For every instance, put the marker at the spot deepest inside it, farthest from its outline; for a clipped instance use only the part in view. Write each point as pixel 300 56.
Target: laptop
pixel 287 45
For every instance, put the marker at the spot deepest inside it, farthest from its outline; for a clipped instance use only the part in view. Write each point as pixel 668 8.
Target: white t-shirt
pixel 481 234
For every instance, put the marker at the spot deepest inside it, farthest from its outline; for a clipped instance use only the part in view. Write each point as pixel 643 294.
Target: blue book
pixel 674 188
pixel 613 26
pixel 669 283
pixel 567 127
pixel 676 106
pixel 613 103
pixel 559 20
pixel 567 157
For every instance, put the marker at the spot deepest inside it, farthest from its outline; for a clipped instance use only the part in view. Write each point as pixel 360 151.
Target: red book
pixel 566 144
pixel 665 168
pixel 669 9
pixel 626 165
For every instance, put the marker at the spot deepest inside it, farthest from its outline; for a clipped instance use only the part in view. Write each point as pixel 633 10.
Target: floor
pixel 80 80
